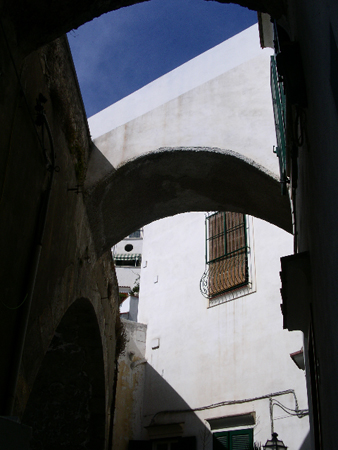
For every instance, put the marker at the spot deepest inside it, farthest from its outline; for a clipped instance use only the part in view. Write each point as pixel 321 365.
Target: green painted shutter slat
pixel 233 440
pixel 240 442
pixel 220 441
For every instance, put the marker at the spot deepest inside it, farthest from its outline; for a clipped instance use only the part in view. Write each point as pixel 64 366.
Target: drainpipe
pixel 41 121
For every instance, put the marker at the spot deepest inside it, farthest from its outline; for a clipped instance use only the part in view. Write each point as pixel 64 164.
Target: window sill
pixel 231 295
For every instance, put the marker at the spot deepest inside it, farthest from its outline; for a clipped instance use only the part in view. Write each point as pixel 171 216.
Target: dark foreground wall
pixel 38 22
pixel 68 269
pixel 47 257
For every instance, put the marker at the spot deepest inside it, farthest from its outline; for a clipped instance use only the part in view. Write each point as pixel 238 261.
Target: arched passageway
pixel 175 180
pixel 40 24
pixel 66 408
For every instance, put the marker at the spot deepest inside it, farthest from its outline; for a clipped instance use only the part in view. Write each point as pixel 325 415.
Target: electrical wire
pixel 15 307
pixel 226 403
pixel 300 413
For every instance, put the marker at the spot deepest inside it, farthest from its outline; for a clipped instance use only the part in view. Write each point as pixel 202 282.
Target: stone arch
pixel 66 408
pixel 176 180
pixel 41 24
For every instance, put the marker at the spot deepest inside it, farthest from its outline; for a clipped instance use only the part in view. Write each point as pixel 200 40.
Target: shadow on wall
pixel 170 181
pixel 168 419
pixel 306 445
pixel 66 408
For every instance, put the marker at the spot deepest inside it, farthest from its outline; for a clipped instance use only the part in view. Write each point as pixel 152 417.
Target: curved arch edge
pixel 169 181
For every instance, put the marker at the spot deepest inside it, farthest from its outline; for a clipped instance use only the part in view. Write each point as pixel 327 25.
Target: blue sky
pixel 126 49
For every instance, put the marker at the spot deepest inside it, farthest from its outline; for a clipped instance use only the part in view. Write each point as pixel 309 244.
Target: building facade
pixel 212 364
pixel 32 63
pixel 216 367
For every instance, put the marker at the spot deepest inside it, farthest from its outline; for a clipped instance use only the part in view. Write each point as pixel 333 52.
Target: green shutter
pixel 279 111
pixel 242 440
pixel 233 440
pixel 220 441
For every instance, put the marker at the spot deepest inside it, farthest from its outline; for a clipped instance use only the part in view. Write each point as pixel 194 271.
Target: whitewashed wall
pixel 219 99
pixel 127 276
pixel 197 355
pixel 233 351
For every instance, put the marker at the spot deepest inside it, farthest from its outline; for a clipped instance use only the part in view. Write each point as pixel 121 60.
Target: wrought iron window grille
pixel 227 250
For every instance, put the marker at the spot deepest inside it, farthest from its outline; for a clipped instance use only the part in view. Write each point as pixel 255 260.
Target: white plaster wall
pixel 233 351
pixel 219 99
pixel 135 242
pixel 197 71
pixel 236 350
pixel 127 276
pixel 129 308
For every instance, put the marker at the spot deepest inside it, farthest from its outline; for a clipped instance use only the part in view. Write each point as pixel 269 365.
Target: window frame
pixel 229 249
pixel 237 291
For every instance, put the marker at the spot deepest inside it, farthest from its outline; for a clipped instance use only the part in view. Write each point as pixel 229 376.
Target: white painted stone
pixel 155 343
pixel 219 99
pixel 194 73
pixel 236 350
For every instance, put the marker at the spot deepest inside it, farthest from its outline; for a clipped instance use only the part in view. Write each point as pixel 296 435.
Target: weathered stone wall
pixel 66 265
pixel 130 386
pixel 70 386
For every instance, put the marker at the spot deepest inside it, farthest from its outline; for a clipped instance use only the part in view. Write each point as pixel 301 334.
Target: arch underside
pixel 37 23
pixel 171 181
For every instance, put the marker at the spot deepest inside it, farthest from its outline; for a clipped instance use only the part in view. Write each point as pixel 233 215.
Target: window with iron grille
pixel 226 254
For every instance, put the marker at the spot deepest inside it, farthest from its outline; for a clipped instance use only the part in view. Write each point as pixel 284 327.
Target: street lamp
pixel 274 443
